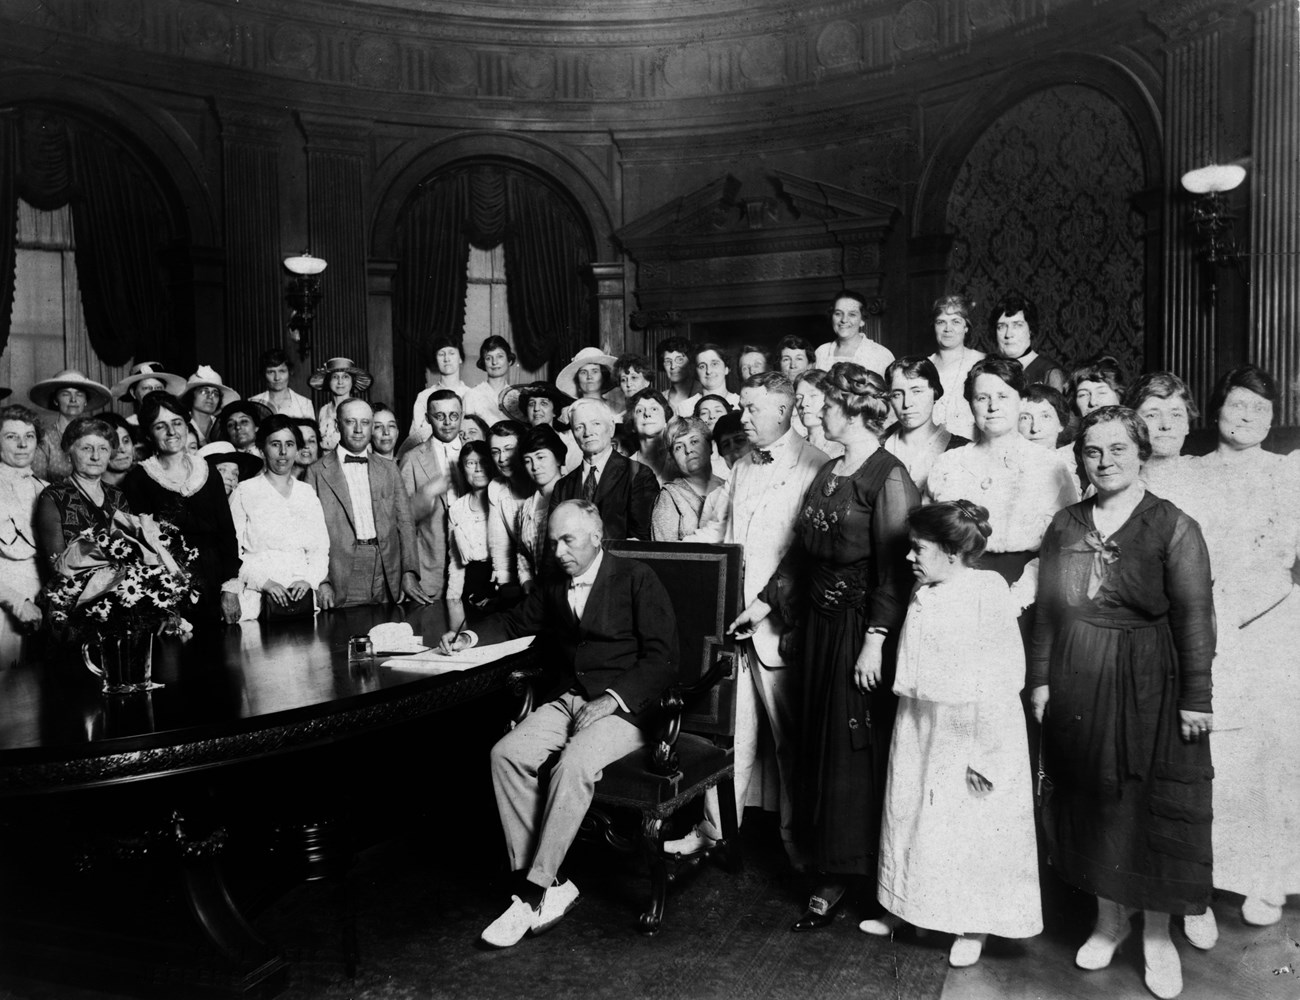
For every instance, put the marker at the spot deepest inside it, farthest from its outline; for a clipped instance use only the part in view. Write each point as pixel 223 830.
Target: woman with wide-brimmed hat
pixel 70 395
pixel 207 395
pixel 590 375
pixel 231 465
pixel 342 380
pixel 143 378
pixel 537 403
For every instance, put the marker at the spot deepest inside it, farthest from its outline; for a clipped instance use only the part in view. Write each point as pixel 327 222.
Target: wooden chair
pixel 693 752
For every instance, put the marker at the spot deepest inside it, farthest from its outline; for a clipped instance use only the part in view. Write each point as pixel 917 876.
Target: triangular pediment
pixel 728 214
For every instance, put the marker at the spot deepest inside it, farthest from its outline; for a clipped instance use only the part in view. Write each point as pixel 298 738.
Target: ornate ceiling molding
pixel 662 56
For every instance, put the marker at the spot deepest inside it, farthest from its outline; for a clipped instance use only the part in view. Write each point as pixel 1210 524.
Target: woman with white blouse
pixel 20 579
pixel 279 524
pixel 1021 484
pixel 507 493
pixel 469 565
pixel 953 361
pixel 851 343
pixel 916 440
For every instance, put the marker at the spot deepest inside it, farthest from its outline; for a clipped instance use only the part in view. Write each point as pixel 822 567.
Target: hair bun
pixel 978 515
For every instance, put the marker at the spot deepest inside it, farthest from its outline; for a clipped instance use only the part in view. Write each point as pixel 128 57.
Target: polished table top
pixel 231 693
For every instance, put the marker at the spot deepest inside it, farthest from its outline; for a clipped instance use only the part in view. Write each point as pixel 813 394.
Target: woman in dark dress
pixel 83 500
pixel 850 560
pixel 1120 677
pixel 178 487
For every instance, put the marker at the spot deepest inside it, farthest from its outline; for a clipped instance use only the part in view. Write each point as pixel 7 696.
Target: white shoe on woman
pixel 1112 928
pixel 966 950
pixel 1164 969
pixel 1260 912
pixel 1201 930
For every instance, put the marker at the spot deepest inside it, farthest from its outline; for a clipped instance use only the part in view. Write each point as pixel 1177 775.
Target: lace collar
pixel 191 484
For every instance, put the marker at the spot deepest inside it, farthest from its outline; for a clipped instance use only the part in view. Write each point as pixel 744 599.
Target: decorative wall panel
pixel 1275 203
pixel 1041 204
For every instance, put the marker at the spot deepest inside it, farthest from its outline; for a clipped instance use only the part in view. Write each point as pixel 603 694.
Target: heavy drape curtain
pixel 120 226
pixel 547 259
pixel 8 220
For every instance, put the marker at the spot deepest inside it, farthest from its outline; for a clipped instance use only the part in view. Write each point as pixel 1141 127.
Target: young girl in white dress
pixel 957 845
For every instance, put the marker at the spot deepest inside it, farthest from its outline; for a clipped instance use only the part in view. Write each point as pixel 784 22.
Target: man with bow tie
pixel 368 515
pixel 763 499
pixel 608 632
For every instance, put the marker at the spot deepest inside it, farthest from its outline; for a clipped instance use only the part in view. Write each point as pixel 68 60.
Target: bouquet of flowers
pixel 132 576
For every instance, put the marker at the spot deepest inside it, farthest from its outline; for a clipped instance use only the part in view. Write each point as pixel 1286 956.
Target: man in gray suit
pixel 429 473
pixel 368 516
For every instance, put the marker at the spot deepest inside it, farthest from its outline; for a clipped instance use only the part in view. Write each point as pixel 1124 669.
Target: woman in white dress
pixel 495 356
pixel 957 845
pixel 916 440
pixel 283 543
pixel 507 493
pixel 342 380
pixel 1021 484
pixel 20 578
pixel 1246 500
pixel 953 361
pixel 469 564
pixel 1165 403
pixel 851 343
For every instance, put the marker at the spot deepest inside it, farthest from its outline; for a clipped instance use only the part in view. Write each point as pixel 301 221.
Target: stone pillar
pixel 336 213
pixel 255 308
pixel 609 306
pixel 379 315
pixel 1274 342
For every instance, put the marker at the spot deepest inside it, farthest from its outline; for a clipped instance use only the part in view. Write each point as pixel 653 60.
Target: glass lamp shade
pixel 305 264
pixel 1214 179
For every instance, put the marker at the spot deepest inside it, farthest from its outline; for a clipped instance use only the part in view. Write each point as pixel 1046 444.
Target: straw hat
pixel 206 377
pixel 514 399
pixel 567 380
pixel 219 452
pixel 361 378
pixel 42 393
pixel 146 370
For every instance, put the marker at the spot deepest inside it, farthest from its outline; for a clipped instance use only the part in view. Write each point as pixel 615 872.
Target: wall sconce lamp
pixel 302 296
pixel 1210 217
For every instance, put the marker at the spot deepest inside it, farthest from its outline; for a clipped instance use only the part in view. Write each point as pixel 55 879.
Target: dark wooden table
pixel 253 723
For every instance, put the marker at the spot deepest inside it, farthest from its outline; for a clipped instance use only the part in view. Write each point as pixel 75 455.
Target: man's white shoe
pixel 509 929
pixel 558 900
pixel 694 842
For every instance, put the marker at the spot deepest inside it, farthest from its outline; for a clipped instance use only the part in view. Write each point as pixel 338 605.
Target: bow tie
pixel 761 456
pixel 360 459
pixel 579 584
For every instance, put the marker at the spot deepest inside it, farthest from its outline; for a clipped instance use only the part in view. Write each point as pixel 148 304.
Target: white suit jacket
pixel 765 500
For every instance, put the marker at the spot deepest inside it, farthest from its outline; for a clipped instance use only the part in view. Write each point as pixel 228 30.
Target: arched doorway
pixel 539 249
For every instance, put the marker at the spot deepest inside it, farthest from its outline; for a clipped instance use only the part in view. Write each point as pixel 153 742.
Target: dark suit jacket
pixel 626 640
pixel 625 495
pixel 392 512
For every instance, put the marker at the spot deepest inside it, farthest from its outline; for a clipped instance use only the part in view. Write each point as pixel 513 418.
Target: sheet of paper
pixel 433 662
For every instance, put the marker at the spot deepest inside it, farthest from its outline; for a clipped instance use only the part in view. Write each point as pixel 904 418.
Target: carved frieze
pixel 711 55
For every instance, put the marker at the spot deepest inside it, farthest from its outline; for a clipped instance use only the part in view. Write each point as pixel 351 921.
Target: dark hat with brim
pixel 514 399
pixel 255 410
pixel 361 378
pixel 221 452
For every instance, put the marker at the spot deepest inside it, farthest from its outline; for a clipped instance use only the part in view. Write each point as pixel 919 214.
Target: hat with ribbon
pixel 205 377
pixel 361 378
pixel 148 370
pixel 42 393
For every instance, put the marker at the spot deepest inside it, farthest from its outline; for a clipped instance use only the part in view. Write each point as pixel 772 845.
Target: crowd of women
pixel 944 568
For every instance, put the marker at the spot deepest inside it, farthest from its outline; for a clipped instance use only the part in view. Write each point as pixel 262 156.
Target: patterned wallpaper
pixel 1041 204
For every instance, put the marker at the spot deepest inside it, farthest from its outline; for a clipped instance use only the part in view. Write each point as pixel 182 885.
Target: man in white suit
pixel 764 495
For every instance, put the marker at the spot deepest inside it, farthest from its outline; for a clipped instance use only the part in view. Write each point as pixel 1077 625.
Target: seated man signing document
pixel 609 635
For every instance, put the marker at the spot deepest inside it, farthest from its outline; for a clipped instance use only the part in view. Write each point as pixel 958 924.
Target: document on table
pixel 433 662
